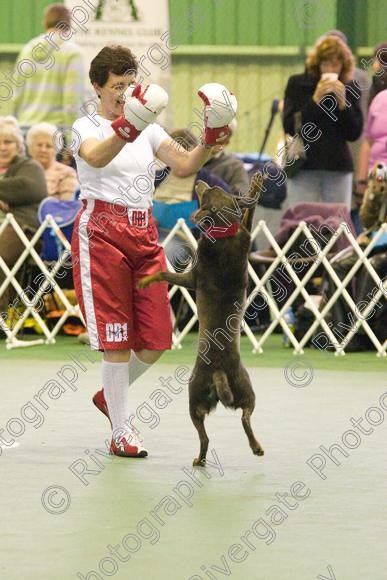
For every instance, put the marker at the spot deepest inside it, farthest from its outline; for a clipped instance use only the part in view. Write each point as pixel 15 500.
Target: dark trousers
pixel 11 248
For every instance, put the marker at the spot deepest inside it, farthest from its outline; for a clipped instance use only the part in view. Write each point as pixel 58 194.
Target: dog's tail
pixel 222 387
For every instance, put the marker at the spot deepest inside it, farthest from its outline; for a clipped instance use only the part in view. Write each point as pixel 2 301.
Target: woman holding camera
pixel 323 103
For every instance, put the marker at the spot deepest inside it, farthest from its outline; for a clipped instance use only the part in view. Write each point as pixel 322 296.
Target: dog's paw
pixel 145 282
pixel 199 462
pixel 258 451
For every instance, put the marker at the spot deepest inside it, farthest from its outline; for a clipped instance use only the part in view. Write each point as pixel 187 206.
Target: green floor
pixel 336 531
pixel 275 355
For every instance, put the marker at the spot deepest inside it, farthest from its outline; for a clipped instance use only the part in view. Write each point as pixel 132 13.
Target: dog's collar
pixel 223 232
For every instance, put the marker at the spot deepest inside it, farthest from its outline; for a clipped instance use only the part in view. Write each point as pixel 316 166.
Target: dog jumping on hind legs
pixel 219 278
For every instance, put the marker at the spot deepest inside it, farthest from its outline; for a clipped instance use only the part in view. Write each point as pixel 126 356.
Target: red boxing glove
pixel 125 130
pixel 143 104
pixel 220 109
pixel 211 136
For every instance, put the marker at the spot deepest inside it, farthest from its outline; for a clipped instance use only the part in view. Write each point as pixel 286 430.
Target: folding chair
pixel 64 213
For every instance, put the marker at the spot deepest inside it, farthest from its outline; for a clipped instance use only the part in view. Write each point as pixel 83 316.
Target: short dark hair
pixel 55 14
pixel 115 59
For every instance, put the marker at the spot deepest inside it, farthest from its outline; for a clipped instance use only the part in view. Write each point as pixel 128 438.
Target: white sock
pixel 115 380
pixel 136 367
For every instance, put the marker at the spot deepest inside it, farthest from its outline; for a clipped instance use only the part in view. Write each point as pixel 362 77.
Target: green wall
pixel 235 22
pixel 250 22
pixel 20 20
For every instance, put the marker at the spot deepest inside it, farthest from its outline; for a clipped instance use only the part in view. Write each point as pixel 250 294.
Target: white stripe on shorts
pixel 87 291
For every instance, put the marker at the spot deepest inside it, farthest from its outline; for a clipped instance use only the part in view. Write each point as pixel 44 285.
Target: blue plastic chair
pixel 64 213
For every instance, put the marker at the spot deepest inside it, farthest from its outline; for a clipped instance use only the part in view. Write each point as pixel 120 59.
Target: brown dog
pixel 220 280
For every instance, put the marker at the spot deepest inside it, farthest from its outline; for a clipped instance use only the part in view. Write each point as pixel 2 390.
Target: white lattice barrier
pixel 262 285
pixel 182 228
pixel 48 284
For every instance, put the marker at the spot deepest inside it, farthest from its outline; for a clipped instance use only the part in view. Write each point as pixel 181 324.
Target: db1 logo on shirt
pixel 116 332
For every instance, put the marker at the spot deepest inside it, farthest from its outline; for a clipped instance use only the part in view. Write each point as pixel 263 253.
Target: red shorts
pixel 110 253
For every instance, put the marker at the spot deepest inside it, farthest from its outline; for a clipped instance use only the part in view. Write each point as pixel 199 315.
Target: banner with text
pixel 135 24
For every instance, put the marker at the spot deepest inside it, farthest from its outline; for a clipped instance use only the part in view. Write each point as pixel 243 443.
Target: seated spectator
pixel 22 187
pixel 327 172
pixel 228 167
pixel 373 213
pixel 177 190
pixel 61 179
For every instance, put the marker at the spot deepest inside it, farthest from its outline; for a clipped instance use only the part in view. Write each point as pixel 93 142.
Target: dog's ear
pixel 250 193
pixel 200 188
pixel 256 180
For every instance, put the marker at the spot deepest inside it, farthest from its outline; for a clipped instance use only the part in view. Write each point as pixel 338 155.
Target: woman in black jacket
pixel 325 96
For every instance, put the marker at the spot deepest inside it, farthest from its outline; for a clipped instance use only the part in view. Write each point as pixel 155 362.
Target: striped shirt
pixel 54 91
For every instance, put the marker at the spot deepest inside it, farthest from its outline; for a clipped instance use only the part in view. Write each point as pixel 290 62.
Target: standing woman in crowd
pixel 326 174
pixel 115 237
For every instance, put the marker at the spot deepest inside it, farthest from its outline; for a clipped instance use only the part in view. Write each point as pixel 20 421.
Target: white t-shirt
pixel 129 178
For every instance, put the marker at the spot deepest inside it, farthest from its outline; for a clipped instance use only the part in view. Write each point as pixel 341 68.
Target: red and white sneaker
pixel 127 444
pixel 100 402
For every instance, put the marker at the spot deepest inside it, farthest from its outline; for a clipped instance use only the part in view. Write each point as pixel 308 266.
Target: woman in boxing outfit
pixel 115 239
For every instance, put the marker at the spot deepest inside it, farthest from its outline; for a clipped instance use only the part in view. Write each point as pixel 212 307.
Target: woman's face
pixel 376 66
pixel 112 101
pixel 8 150
pixel 42 149
pixel 331 65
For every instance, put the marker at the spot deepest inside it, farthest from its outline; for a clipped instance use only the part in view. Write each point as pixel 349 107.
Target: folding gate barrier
pixel 261 285
pixel 33 306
